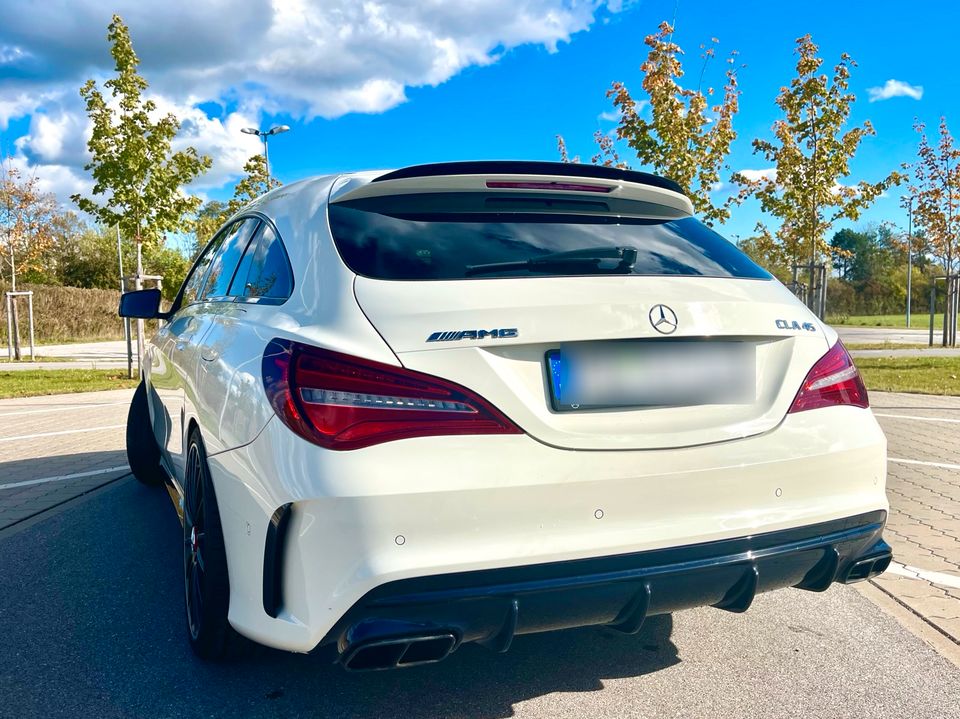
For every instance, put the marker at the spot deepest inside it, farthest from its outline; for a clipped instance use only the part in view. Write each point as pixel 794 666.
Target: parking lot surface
pixel 92 609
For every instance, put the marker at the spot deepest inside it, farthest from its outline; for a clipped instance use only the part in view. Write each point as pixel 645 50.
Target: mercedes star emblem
pixel 663 319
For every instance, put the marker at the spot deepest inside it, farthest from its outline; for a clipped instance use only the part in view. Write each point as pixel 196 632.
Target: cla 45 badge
pixel 794 325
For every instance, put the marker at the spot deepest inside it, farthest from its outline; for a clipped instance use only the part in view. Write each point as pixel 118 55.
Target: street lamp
pixel 265 135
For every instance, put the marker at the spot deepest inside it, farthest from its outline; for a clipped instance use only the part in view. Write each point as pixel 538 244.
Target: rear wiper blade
pixel 586 256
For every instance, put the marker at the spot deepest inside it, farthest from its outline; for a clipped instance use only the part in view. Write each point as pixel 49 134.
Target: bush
pixel 65 314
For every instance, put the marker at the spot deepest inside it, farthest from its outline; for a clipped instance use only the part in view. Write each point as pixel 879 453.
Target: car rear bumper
pixel 448 506
pixel 413 621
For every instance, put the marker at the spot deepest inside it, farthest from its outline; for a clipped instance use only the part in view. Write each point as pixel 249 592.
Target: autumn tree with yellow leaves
pixel 935 189
pixel 685 138
pixel 811 153
pixel 30 222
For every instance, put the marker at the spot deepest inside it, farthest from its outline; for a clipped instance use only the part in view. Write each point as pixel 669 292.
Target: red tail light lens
pixel 833 380
pixel 344 402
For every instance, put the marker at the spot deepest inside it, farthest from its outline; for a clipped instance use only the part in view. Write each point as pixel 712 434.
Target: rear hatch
pixel 594 311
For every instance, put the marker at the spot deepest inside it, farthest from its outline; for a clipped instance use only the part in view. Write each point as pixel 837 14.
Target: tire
pixel 206 582
pixel 143 455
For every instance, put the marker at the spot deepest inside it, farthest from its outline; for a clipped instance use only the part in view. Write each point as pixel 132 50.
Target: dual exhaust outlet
pixel 393 652
pixel 867 568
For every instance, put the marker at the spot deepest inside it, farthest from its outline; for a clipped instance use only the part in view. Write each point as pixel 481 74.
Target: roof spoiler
pixel 512 167
pixel 651 195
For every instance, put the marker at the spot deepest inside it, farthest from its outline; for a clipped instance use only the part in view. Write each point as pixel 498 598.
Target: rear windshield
pixel 393 245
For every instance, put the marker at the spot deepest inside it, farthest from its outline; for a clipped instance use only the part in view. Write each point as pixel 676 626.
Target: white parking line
pixel 64 477
pixel 922 419
pixel 74 408
pixel 946 580
pixel 941 465
pixel 65 431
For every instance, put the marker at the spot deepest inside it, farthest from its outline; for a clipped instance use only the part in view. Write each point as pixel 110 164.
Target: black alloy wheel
pixel 206 583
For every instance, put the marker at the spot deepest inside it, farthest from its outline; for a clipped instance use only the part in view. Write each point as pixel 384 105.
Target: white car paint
pixel 572 486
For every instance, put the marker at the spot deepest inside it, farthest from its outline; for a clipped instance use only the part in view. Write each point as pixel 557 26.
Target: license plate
pixel 608 375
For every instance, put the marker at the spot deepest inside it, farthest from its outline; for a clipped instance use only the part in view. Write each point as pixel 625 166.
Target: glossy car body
pixel 394 552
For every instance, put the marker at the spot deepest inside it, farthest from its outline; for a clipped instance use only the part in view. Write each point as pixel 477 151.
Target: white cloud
pixel 303 58
pixel 60 180
pixel 895 88
pixel 769 173
pixel 310 57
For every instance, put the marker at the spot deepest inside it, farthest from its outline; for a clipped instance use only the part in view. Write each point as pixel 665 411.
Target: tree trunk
pixel 16 328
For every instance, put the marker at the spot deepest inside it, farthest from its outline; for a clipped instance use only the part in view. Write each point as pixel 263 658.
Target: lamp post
pixel 265 136
pixel 909 254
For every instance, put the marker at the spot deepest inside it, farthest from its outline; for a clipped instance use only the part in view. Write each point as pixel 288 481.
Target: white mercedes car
pixel 399 411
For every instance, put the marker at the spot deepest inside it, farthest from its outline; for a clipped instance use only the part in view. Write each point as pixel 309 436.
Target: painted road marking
pixel 73 407
pixel 941 465
pixel 922 419
pixel 64 477
pixel 946 580
pixel 65 431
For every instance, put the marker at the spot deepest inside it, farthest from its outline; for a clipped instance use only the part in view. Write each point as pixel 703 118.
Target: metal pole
pixel 933 304
pixel 266 156
pixel 138 283
pixel 954 309
pixel 9 329
pixel 126 320
pixel 909 256
pixel 30 312
pixel 946 310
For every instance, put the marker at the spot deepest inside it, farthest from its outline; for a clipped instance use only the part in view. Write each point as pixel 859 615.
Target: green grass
pixel 926 375
pixel 918 321
pixel 30 383
pixel 39 358
pixel 886 346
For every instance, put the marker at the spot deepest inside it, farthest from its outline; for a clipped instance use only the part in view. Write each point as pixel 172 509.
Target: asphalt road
pixel 91 621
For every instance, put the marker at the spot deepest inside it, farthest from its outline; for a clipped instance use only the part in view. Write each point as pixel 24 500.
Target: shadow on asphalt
pixel 92 620
pixel 17 470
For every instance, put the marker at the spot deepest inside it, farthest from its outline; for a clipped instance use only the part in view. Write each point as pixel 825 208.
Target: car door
pixel 177 344
pixel 166 380
pixel 212 302
pixel 229 371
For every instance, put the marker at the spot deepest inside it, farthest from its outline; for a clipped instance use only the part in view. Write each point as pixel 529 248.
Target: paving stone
pixel 924 522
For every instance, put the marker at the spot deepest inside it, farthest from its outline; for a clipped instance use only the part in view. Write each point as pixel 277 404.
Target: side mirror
pixel 141 304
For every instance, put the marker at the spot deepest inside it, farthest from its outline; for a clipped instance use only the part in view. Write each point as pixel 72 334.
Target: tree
pixel 685 138
pixel 30 222
pixel 936 195
pixel 212 215
pixel 851 251
pixel 256 182
pixel 136 175
pixel 811 155
pixel 209 218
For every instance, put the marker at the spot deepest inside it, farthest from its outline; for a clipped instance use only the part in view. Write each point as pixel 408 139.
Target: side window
pixel 224 263
pixel 193 283
pixel 264 270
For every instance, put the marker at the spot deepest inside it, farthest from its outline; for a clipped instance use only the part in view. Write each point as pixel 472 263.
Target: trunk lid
pixel 547 313
pixel 474 272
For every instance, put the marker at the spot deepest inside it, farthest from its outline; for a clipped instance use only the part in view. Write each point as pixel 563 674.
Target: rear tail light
pixel 833 380
pixel 344 402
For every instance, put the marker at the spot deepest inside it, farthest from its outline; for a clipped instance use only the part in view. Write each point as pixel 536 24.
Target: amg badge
pixel 473 335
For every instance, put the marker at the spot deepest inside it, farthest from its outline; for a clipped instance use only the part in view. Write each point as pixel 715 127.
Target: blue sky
pixel 491 85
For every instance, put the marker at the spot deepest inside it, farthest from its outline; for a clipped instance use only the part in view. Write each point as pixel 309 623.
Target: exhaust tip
pixel 867 568
pixel 396 652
